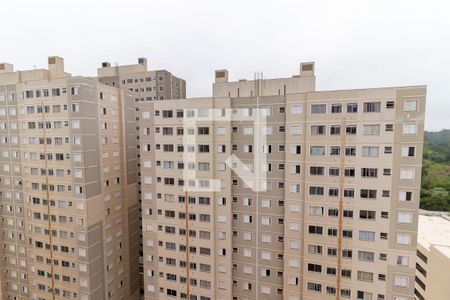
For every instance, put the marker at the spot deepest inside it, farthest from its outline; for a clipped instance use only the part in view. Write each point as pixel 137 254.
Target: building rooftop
pixel 434 231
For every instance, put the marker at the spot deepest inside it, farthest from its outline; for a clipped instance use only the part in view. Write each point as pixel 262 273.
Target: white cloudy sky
pixel 355 44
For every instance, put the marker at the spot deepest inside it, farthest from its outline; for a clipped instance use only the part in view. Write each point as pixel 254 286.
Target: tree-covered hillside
pixel 435 194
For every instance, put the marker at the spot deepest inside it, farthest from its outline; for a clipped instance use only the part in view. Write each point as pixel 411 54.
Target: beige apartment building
pixel 333 217
pixel 68 181
pixel 433 257
pixel 144 85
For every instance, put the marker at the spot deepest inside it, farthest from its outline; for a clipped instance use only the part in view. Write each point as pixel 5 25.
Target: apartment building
pixel 68 181
pixel 144 85
pixel 334 215
pixel 433 257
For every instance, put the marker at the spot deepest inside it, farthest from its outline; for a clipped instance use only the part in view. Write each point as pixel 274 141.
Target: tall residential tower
pixel 68 183
pixel 143 85
pixel 336 216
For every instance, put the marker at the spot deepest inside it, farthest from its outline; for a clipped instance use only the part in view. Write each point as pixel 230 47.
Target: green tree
pixel 435 193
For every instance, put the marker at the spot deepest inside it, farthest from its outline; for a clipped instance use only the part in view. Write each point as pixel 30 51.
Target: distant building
pixel 144 86
pixel 433 257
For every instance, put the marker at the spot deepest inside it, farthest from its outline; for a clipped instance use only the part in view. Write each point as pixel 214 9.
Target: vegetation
pixel 435 193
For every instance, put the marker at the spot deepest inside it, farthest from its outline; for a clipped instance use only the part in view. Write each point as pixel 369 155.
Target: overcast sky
pixel 355 44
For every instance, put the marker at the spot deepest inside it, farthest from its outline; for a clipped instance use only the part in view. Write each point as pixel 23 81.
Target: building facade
pixel 337 214
pixel 433 257
pixel 69 205
pixel 144 85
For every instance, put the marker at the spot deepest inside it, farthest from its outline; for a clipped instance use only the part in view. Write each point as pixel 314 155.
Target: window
pixel 347 253
pixel 203 166
pixel 410 105
pixel 407 173
pixel 348 213
pixel 315 249
pixel 333 212
pixel 316 170
pixel 387 172
pixel 336 108
pixel 366 235
pixel 349 193
pixel 295 169
pixel 75 107
pixel 350 151
pixel 29 94
pixel 408 151
pixel 315 211
pixel 401 281
pixel 368 194
pixel 409 128
pixel 402 260
pixel 352 108
pixel 333 171
pixel 405 196
pixel 315 229
pixel 370 151
pixel 422 256
pixel 314 287
pixel 56 92
pixel 365 256
pixel 332 232
pixel 330 289
pixel 295 188
pixel 347 233
pixel 335 150
pixel 247 219
pixel 373 129
pixel 318 108
pixel 403 239
pixel 335 130
pixel 317 150
pixel 315 268
pixel 333 192
pixel 390 104
pixel 266 220
pixel 350 130
pixel 404 217
pixel 203 148
pixel 296 130
pixel 318 129
pixel 296 149
pixel 167 113
pixel 369 172
pixel 331 271
pixel 372 106
pixel 316 190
